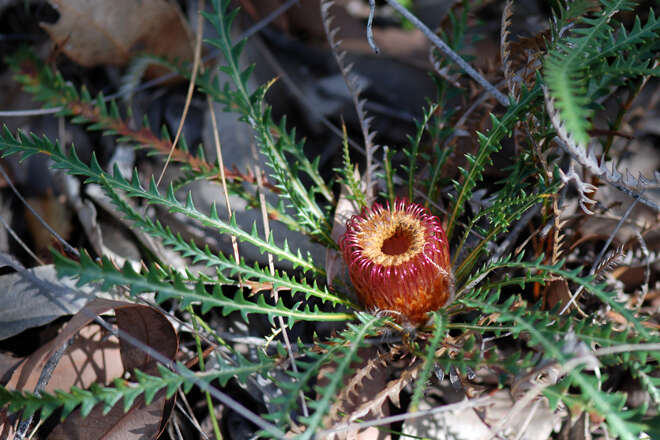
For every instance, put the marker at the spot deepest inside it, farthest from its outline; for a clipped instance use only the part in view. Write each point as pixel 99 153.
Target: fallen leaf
pixel 557 292
pixel 467 424
pixel 56 214
pixel 361 388
pixel 98 357
pixel 150 327
pixel 7 365
pixel 93 32
pixel 34 297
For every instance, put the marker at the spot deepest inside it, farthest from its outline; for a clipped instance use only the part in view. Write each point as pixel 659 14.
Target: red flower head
pixel 398 260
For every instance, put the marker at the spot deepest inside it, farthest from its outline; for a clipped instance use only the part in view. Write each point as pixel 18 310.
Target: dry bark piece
pixel 93 32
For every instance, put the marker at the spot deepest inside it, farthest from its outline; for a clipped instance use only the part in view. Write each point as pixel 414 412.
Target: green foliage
pixel 587 282
pixel 340 353
pixel 594 53
pixel 47 403
pixel 257 114
pixel 439 329
pixel 500 216
pixel 488 144
pixel 602 402
pixel 48 87
pixel 590 53
pixel 189 249
pixel 389 175
pixel 348 175
pixel 28 145
pixel 413 150
pixel 169 284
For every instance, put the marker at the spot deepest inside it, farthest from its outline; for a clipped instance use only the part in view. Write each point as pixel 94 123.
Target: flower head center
pixel 398 243
pixel 391 238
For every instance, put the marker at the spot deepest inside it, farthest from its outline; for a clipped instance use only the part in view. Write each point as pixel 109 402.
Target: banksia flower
pixel 398 260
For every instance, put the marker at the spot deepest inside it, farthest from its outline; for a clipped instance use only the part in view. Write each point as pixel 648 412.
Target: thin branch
pixel 223 179
pixel 189 414
pixel 449 53
pixel 267 20
pixel 25 247
pixel 44 378
pixel 32 112
pixel 370 26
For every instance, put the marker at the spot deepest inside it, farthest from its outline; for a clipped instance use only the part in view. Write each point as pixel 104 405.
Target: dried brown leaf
pixel 353 390
pixel 93 32
pixel 556 292
pixel 56 213
pixel 360 388
pixel 94 356
pixel 505 48
pixel 390 392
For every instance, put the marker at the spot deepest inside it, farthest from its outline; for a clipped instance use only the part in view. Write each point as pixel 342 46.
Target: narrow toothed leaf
pixel 214 212
pixel 189 200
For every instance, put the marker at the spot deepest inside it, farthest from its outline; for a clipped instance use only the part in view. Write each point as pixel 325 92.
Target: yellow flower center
pixel 391 238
